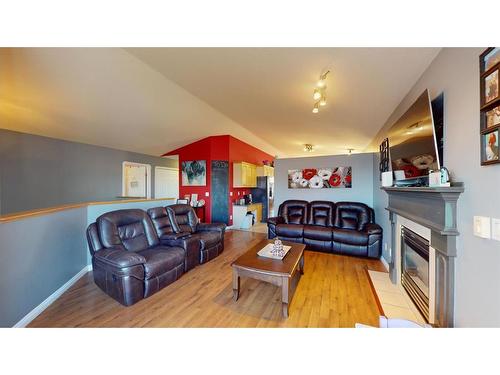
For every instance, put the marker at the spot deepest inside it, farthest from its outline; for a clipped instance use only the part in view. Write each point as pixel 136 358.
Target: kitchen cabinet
pixel 265 171
pixel 244 174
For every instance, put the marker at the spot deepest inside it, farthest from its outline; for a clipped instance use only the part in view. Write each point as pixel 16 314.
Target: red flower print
pixel 309 173
pixel 348 179
pixel 335 180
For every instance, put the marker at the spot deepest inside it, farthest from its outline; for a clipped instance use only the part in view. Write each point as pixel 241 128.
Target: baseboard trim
pixel 49 300
pixel 384 262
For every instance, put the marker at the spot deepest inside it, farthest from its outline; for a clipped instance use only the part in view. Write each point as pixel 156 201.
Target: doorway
pixel 166 182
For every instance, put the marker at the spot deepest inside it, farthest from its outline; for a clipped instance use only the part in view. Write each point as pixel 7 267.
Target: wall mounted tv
pixel 413 147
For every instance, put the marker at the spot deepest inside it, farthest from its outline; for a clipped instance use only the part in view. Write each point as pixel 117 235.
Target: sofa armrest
pixel 119 258
pixel 276 220
pixel 372 228
pixel 174 236
pixel 212 227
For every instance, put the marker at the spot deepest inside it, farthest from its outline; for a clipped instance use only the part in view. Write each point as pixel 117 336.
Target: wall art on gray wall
pixel 320 178
pixel 194 173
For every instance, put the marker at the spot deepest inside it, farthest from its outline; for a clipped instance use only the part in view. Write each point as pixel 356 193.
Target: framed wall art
pixel 320 178
pixel 489 84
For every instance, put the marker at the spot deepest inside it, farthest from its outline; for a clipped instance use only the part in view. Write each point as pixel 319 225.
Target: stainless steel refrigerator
pixel 264 193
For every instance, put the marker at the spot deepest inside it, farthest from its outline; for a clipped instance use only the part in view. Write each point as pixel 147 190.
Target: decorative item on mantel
pixel 489 65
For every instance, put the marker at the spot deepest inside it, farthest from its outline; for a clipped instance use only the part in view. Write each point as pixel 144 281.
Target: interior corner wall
pixel 40 172
pixel 455 71
pixel 362 179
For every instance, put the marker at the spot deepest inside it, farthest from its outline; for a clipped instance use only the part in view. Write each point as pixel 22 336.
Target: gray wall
pixel 40 254
pixel 38 172
pixel 456 72
pixel 362 179
pixel 37 256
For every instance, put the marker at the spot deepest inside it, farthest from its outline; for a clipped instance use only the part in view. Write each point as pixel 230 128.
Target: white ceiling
pixel 154 100
pixel 269 90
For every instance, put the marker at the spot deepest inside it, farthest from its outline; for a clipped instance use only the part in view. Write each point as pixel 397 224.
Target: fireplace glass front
pixel 415 268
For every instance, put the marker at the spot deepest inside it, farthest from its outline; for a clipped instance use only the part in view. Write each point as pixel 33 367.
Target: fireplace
pixel 415 269
pixel 423 237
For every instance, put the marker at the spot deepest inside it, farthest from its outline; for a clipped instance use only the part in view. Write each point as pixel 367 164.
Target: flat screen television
pixel 413 148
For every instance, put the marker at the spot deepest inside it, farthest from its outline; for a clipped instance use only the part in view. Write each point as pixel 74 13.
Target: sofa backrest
pixel 321 213
pixel 161 221
pixel 131 230
pixel 294 211
pixel 182 218
pixel 352 215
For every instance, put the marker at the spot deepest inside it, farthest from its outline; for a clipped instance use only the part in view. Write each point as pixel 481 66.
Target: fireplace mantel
pixel 436 209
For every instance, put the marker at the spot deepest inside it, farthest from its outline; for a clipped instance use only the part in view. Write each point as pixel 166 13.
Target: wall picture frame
pixel 489 85
pixel 194 173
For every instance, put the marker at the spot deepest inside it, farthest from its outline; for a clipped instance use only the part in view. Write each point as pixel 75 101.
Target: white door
pixel 166 182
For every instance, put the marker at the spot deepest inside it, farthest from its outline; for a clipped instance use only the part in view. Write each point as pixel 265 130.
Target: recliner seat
pixel 178 225
pixel 129 262
pixel 342 227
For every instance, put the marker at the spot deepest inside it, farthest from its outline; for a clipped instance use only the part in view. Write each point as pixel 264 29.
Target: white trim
pixel 384 262
pixel 41 307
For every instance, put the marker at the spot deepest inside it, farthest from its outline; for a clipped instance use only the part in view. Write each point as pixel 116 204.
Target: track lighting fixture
pixel 308 147
pixel 319 95
pixel 349 151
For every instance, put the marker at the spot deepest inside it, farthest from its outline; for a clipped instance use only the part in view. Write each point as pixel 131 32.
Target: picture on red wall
pixel 194 173
pixel 320 178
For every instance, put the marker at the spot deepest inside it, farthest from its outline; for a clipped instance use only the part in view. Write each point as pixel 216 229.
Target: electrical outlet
pixel 230 193
pixel 482 227
pixel 495 229
pixel 230 217
pixel 207 194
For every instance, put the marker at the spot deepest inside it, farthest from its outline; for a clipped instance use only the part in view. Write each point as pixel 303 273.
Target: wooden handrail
pixel 49 210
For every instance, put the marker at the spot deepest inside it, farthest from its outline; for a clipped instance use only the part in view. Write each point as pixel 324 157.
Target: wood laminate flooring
pixel 333 292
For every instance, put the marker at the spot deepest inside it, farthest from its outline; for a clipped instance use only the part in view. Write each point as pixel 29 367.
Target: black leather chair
pixel 129 263
pixel 342 227
pixel 181 220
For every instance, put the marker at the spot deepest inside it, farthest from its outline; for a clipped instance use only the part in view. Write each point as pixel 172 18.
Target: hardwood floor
pixel 333 292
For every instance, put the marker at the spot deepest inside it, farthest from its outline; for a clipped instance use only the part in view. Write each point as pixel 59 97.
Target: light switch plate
pixel 230 193
pixel 207 194
pixel 482 226
pixel 495 229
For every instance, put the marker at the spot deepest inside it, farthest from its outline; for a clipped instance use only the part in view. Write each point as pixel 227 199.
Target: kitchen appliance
pixel 264 193
pixel 248 198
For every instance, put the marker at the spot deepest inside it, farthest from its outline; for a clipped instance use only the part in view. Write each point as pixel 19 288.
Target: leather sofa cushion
pixel 133 236
pixel 350 236
pixel 352 215
pixel 294 211
pixel 319 233
pixel 161 259
pixel 290 230
pixel 321 213
pixel 207 239
pixel 182 217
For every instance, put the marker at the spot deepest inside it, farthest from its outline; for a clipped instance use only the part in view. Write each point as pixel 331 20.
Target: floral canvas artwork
pixel 320 178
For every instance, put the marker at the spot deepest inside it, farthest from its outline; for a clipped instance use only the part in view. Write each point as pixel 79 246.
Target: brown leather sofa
pixel 135 254
pixel 129 262
pixel 180 220
pixel 342 227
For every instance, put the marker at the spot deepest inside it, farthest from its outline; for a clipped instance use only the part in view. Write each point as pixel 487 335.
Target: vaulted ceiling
pixel 269 90
pixel 153 100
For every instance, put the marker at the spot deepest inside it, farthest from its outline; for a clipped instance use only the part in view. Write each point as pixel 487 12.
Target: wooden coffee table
pixel 274 271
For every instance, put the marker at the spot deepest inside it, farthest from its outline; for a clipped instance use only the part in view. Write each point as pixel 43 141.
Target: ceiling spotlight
pixel 308 147
pixel 322 80
pixel 316 108
pixel 322 101
pixel 317 94
pixel 349 151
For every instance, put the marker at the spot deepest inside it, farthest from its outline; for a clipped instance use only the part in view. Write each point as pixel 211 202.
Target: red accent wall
pixel 222 147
